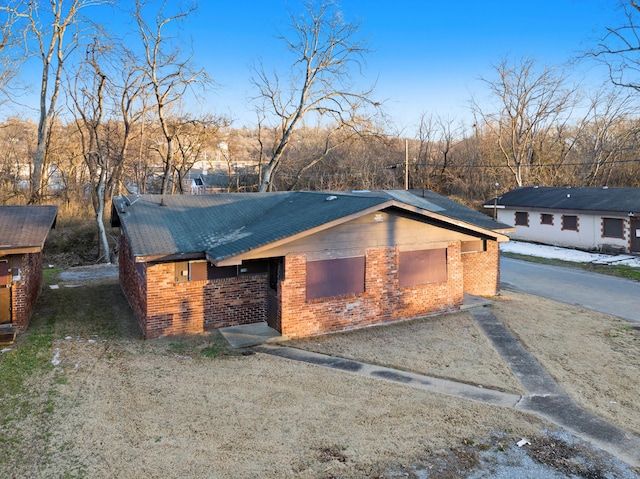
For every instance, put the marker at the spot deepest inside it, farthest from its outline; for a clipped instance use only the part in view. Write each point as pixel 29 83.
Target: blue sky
pixel 427 56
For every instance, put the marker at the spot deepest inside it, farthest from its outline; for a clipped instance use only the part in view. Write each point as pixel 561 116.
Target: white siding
pixel 588 236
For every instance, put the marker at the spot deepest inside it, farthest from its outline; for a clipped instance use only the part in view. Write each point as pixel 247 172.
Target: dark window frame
pixel 548 217
pixel 330 278
pixel 618 228
pixel 518 215
pixel 570 227
pixel 422 267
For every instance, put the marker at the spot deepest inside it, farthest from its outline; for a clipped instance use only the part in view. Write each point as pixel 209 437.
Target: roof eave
pixel 168 257
pixel 497 234
pixel 20 250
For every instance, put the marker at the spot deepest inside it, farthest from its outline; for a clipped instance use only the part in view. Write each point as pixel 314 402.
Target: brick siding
pixel 25 293
pixel 164 307
pixel 383 301
pixel 481 271
pixel 133 277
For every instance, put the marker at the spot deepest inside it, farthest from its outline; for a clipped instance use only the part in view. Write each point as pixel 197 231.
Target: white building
pixel 602 219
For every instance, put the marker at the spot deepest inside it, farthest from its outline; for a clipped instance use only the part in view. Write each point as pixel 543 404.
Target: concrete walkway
pixel 429 383
pixel 544 398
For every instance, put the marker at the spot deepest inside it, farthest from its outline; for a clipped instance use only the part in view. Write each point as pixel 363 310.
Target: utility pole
pixel 406 164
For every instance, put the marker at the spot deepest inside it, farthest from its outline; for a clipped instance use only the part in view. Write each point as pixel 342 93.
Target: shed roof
pixel 24 229
pixel 224 226
pixel 623 200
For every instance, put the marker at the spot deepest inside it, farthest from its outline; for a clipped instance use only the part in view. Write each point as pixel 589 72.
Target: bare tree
pixel 88 94
pixel 55 27
pixel 325 50
pixel 9 43
pixel 619 49
pixel 531 103
pixel 609 134
pixel 169 74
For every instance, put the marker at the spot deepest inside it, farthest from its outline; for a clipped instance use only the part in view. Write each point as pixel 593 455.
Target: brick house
pixel 594 219
pixel 23 231
pixel 306 263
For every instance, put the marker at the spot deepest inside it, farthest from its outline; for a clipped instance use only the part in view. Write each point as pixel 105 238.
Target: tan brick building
pixel 306 263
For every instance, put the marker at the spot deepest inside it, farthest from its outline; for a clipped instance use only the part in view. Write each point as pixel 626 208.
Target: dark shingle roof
pixel 566 198
pixel 25 228
pixel 457 211
pixel 225 225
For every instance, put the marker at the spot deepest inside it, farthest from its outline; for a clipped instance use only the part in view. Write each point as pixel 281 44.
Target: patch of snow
pixel 56 357
pixel 567 254
pixel 5 350
pixel 54 286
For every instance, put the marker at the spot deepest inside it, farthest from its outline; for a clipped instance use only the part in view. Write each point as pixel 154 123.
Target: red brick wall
pixel 481 271
pixel 25 292
pixel 381 302
pixel 133 281
pixel 164 307
pixel 234 301
pixel 195 306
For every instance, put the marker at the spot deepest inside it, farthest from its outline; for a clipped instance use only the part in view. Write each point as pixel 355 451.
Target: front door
pixel 273 305
pixel 5 292
pixel 635 235
pixel 5 305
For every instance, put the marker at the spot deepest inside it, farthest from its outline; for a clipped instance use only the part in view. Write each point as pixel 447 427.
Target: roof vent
pixel 331 198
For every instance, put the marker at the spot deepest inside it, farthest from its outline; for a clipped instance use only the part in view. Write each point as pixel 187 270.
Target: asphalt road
pixel 598 292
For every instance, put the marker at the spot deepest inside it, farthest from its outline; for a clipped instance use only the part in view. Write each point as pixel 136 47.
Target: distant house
pixel 23 231
pixel 602 219
pixel 307 263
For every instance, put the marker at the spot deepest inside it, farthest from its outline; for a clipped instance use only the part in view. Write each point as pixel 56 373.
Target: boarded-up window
pixel 546 219
pixel 569 222
pixel 192 271
pixel 422 267
pixel 522 218
pixel 612 228
pixel 335 277
pixel 198 271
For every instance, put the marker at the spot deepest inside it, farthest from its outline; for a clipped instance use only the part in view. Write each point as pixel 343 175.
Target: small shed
pixel 594 219
pixel 306 263
pixel 23 231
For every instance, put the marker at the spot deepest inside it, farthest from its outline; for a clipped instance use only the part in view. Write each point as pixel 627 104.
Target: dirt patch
pixel 115 405
pixel 428 346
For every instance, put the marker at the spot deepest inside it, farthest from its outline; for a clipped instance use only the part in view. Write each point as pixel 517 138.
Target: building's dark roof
pixel 569 198
pixel 455 210
pixel 226 225
pixel 24 229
